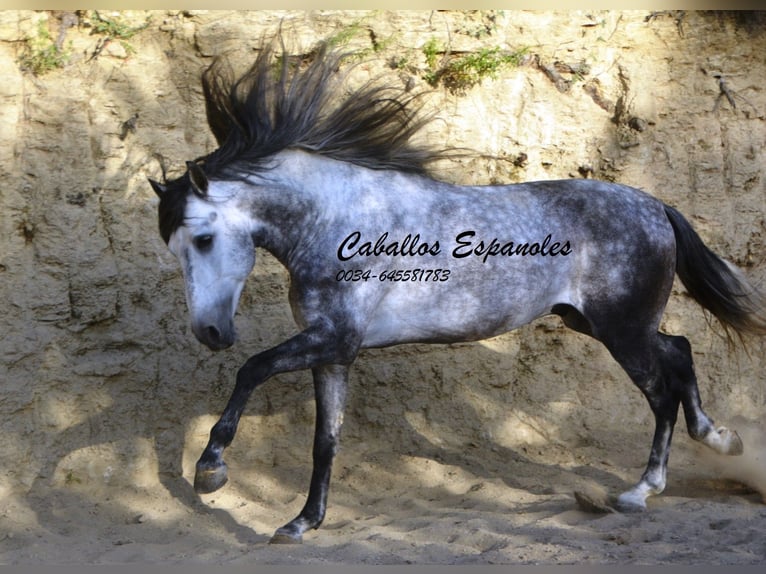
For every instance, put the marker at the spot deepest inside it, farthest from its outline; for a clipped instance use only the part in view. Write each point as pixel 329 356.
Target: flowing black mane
pixel 282 102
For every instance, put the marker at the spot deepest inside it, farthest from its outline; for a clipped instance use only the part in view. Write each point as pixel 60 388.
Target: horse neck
pixel 287 200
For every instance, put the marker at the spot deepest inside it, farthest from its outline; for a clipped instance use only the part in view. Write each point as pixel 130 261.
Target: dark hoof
pixel 282 536
pixel 210 479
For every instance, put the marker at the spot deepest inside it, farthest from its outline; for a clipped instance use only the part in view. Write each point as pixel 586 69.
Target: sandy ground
pixel 486 505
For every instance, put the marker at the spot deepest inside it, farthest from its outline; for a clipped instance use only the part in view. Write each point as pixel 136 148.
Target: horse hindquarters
pixel 624 314
pixel 626 320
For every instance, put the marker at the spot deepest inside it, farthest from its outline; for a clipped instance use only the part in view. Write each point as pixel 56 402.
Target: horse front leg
pixel 311 348
pixel 330 384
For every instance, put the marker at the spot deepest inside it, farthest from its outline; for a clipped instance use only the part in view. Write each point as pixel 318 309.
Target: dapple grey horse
pixel 380 252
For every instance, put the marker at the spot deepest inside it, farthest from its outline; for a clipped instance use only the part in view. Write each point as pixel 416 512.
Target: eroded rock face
pixel 99 370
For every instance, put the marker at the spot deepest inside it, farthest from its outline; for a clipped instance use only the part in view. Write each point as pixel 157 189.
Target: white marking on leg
pixel 634 500
pixel 651 483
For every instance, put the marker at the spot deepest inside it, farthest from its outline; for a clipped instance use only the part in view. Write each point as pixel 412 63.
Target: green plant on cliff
pixel 41 54
pixel 459 73
pixel 114 28
pixel 345 34
pixel 350 32
pixel 471 69
pixel 431 50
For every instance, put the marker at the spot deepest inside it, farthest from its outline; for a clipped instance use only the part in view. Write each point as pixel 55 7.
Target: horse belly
pixel 432 315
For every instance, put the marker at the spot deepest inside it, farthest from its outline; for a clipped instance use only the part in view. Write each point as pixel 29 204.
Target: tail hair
pixel 717 285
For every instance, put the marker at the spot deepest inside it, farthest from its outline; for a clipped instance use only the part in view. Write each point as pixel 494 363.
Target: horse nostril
pixel 215 337
pixel 213 334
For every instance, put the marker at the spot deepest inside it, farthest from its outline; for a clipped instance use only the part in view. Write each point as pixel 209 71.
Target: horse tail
pixel 716 284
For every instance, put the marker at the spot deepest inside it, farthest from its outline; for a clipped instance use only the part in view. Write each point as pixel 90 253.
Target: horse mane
pixel 285 102
pixel 282 103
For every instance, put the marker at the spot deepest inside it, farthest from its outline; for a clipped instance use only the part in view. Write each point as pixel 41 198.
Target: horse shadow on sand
pixel 484 458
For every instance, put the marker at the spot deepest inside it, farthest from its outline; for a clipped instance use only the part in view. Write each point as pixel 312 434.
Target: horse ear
pixel 198 179
pixel 158 188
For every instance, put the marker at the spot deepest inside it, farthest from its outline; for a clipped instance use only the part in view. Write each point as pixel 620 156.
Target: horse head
pixel 210 234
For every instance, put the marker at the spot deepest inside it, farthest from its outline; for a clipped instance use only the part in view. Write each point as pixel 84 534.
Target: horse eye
pixel 203 242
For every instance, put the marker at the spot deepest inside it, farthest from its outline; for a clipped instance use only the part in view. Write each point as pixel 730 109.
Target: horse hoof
pixel 629 503
pixel 724 441
pixel 734 446
pixel 207 480
pixel 283 537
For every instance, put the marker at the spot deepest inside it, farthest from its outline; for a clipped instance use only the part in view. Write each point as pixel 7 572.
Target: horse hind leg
pixel 665 410
pixel 643 363
pixel 699 425
pixel 648 363
pixel 667 381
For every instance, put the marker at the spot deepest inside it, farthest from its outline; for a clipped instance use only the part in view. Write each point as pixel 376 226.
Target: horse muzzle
pixel 215 336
